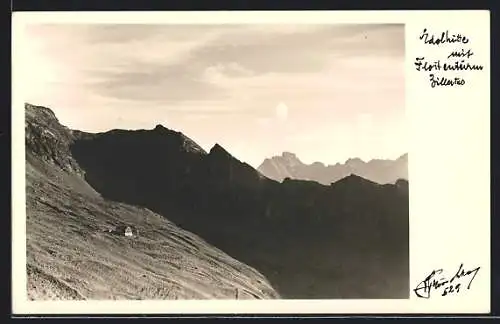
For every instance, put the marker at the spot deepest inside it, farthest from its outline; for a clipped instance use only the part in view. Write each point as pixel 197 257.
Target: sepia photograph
pixel 216 162
pixel 193 163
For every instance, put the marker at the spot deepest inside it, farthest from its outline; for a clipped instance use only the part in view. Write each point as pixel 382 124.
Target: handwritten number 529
pixel 451 289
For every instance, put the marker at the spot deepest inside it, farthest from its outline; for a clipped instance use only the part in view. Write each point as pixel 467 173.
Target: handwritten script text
pixel 456 60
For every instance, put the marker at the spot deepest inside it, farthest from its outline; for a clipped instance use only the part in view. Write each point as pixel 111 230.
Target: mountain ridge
pixel 288 165
pixel 303 236
pixel 72 255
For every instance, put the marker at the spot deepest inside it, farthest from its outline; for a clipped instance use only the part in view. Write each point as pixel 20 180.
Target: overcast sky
pixel 324 92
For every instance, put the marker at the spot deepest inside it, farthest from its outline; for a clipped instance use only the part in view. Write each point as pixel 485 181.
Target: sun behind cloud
pixel 282 112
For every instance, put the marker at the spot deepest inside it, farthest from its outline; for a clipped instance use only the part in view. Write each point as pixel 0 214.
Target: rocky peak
pixel 219 150
pixel 186 143
pixel 39 113
pixel 354 180
pixel 354 162
pixel 290 159
pixel 160 128
pixel 289 155
pixel 318 165
pixel 47 139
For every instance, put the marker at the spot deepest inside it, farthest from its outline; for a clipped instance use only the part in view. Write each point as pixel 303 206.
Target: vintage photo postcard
pixel 251 162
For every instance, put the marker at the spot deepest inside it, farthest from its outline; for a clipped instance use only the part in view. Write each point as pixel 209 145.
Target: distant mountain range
pixel 212 224
pixel 288 165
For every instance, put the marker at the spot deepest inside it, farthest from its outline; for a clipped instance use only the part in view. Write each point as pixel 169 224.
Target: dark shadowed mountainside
pixel 288 165
pixel 345 240
pixel 74 253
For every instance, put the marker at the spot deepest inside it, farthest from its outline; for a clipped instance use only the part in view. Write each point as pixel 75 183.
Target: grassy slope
pixel 70 256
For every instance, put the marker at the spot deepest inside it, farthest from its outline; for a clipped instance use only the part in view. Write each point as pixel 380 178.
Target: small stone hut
pixel 127 230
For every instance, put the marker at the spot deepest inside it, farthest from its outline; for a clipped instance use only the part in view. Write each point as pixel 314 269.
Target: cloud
pixel 218 81
pixel 121 61
pixel 221 72
pixel 282 112
pixel 178 63
pixel 300 49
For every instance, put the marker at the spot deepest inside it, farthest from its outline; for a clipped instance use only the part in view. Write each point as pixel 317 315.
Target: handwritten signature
pixel 436 281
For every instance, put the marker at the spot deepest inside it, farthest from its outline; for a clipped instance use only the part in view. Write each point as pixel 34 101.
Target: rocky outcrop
pixel 48 140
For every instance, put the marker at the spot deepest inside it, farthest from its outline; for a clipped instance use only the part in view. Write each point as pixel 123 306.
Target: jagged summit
pixel 289 165
pixel 289 155
pixel 160 127
pixel 219 150
pixel 34 111
pixel 318 164
pixel 354 161
pixel 354 179
pixel 47 139
pixel 188 144
pixel 161 130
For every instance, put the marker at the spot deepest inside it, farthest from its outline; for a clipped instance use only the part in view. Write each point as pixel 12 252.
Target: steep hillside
pixel 72 255
pixel 345 240
pixel 288 165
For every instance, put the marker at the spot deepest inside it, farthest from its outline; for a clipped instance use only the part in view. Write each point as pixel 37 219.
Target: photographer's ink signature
pixel 443 286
